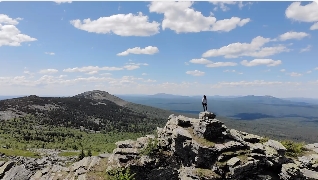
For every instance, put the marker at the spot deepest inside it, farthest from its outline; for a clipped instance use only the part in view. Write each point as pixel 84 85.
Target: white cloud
pixel 222 5
pixel 120 24
pixel 257 62
pixel 253 49
pixel 10 35
pixel 221 64
pixel 137 50
pixel 306 13
pixel 48 71
pixel 282 70
pixel 131 67
pixel 308 48
pixel 200 61
pixel 92 72
pixel 181 18
pixel 144 74
pixel 209 63
pixel 316 68
pixel 294 74
pixel 92 68
pixel 293 35
pixel 195 73
pixel 50 53
pixel 150 81
pixel 186 63
pixel 308 72
pixel 229 70
pixel 96 69
pixel 314 26
pixel 106 74
pixel 62 1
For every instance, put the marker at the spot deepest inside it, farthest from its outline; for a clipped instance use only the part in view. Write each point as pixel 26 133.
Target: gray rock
pixel 206 115
pixel 309 174
pixel 18 173
pixel 5 167
pixel 290 171
pixel 277 146
pixel 233 161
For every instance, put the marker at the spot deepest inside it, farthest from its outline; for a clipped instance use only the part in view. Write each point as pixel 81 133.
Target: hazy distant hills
pixel 245 107
pixel 101 111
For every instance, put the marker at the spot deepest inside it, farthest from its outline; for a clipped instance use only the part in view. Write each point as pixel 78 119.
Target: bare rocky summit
pixel 102 95
pixel 205 148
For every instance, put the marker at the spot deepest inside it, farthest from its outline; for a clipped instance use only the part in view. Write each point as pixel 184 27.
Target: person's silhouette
pixel 205 103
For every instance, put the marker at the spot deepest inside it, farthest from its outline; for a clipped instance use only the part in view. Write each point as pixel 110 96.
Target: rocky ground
pixel 49 167
pixel 185 148
pixel 205 148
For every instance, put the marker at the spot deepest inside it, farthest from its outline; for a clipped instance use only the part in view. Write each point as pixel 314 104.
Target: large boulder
pixel 206 115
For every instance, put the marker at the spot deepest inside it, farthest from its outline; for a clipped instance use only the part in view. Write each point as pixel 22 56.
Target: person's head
pixel 204 96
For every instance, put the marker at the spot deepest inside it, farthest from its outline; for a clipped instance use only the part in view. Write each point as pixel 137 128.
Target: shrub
pixel 81 155
pixel 264 139
pixel 294 149
pixel 150 148
pixel 121 174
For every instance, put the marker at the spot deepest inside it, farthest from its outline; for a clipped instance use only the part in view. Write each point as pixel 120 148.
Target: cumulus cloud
pixel 308 72
pixel 293 35
pixel 144 74
pixel 258 62
pixel 137 50
pixel 50 53
pixel 62 1
pixel 10 35
pixel 224 5
pixel 209 63
pixel 221 64
pixel 308 48
pixel 282 70
pixel 96 69
pixel 120 24
pixel 182 18
pixel 92 68
pixel 105 74
pixel 294 74
pixel 253 49
pixel 48 71
pixel 92 72
pixel 200 61
pixel 195 73
pixel 314 26
pixel 150 80
pixel 307 13
pixel 229 70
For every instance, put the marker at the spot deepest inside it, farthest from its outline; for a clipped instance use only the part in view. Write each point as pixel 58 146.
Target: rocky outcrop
pixel 205 148
pixel 50 166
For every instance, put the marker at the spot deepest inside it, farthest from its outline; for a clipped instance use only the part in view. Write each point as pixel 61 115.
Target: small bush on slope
pixel 120 174
pixel 294 149
pixel 150 148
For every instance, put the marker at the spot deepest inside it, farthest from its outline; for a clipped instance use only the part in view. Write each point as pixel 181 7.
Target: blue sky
pixel 187 48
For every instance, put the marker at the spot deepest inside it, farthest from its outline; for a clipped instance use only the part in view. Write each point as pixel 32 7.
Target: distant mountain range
pixel 101 111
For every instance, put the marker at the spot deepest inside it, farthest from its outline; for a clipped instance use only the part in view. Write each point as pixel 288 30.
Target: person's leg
pixel 206 107
pixel 203 107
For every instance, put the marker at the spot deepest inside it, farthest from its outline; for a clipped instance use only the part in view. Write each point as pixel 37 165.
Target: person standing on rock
pixel 205 103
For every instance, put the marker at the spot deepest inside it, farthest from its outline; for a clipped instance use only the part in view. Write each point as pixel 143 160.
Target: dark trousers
pixel 205 106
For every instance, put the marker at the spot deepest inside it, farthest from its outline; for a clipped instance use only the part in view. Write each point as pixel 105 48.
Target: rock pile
pixel 205 148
